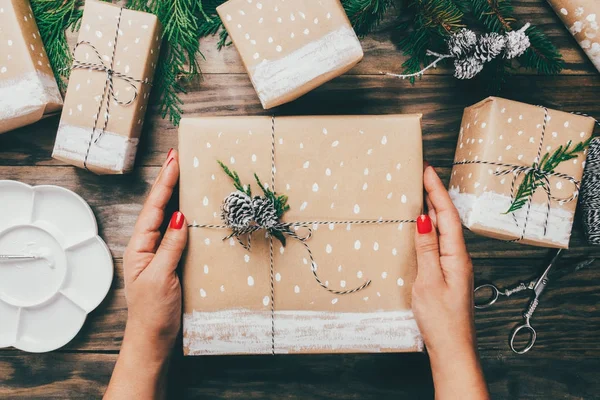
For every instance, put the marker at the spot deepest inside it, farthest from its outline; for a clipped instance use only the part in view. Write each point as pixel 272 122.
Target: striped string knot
pixel 109 93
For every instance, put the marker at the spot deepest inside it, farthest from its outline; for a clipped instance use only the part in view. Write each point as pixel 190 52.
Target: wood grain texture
pixel 565 361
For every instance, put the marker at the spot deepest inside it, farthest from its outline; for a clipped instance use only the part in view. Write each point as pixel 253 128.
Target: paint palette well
pixel 44 301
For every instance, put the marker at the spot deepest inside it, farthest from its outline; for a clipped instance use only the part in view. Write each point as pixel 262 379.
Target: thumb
pixel 173 243
pixel 428 250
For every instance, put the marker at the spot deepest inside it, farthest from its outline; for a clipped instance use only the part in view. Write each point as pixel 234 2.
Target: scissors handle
pixel 525 328
pixel 497 293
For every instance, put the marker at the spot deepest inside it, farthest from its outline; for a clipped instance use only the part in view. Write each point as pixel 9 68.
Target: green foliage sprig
pixel 365 15
pixel 236 180
pixel 54 17
pixel 534 179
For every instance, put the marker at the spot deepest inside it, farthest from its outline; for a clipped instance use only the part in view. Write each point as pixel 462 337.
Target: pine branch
pixel 53 18
pixel 534 179
pixel 279 202
pixel 365 15
pixel 433 22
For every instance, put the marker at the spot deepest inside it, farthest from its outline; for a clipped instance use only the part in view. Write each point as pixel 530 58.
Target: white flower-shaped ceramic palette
pixel 45 300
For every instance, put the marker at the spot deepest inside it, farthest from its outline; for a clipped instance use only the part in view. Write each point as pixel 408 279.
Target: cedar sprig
pixel 53 18
pixel 535 179
pixel 365 15
pixel 279 201
pixel 236 180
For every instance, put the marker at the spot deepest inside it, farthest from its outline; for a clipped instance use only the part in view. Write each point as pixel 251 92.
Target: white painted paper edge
pixel 274 79
pixel 26 94
pixel 113 151
pixel 488 210
pixel 242 331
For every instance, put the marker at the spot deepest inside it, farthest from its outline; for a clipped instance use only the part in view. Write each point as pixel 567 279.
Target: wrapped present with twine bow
pixel 111 78
pixel 301 233
pixel 517 171
pixel 28 90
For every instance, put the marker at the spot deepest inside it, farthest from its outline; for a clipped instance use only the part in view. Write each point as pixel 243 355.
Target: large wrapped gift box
pixel 337 172
pixel 28 91
pixel 111 79
pixel 290 48
pixel 509 182
pixel 582 17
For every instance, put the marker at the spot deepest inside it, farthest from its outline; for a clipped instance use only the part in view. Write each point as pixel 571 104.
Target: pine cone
pixel 489 46
pixel 467 68
pixel 237 210
pixel 517 42
pixel 461 43
pixel 265 213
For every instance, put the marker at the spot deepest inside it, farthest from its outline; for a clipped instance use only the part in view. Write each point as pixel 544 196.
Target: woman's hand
pixel 443 297
pixel 153 294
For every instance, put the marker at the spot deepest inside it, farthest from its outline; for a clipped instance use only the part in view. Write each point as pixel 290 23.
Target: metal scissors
pixel 537 285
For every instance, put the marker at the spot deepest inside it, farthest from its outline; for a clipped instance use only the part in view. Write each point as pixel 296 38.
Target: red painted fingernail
pixel 169 153
pixel 170 161
pixel 424 224
pixel 177 220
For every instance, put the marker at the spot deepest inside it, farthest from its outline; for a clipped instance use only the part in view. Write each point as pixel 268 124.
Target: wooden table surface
pixel 565 362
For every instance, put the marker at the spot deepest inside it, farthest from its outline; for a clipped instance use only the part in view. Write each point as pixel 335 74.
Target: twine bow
pixel 540 178
pixel 288 229
pixel 109 91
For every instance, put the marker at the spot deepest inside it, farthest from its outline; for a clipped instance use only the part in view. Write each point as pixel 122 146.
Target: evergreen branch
pixel 433 22
pixel 53 18
pixel 535 179
pixel 365 15
pixel 236 179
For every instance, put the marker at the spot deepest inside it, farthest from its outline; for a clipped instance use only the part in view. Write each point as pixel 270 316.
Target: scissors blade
pixel 542 281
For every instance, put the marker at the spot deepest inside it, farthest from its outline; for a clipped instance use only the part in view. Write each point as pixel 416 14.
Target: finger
pixel 448 222
pixel 173 243
pixel 430 210
pixel 146 236
pixel 428 253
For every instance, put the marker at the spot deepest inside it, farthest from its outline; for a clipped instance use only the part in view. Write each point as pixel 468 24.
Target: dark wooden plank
pixel 364 377
pixel 440 99
pixel 567 319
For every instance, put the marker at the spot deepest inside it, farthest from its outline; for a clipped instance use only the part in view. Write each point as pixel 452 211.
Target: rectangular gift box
pixel 336 171
pixel 499 142
pixel 290 48
pixel 28 90
pixel 103 113
pixel 581 17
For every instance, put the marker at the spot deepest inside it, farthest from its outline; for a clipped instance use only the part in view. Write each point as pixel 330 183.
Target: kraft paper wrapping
pixel 505 131
pixel 581 17
pixel 290 48
pixel 135 39
pixel 28 91
pixel 333 169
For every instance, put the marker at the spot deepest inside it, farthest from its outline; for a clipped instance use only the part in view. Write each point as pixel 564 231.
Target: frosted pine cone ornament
pixel 237 210
pixel 265 213
pixel 471 52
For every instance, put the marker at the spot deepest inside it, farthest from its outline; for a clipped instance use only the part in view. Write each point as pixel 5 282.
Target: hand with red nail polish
pixel 153 293
pixel 442 297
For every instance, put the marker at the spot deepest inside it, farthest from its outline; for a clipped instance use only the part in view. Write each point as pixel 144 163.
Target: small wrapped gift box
pixel 582 17
pixel 110 83
pixel 353 187
pixel 28 90
pixel 290 48
pixel 518 169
